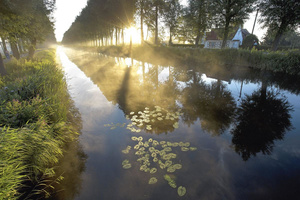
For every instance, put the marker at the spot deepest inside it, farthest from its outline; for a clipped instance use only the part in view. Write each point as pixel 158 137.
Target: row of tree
pixel 102 20
pixel 24 21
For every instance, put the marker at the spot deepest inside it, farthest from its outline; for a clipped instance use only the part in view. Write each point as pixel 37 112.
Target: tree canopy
pixel 280 16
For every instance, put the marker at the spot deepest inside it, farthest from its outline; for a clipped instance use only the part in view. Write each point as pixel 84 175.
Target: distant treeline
pixel 103 22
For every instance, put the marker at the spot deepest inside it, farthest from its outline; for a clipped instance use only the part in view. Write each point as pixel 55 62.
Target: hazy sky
pixel 65 14
pixel 67 10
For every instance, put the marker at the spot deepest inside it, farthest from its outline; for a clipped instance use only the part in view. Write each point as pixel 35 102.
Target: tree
pixel 248 41
pixel 231 12
pixel 172 11
pixel 280 16
pixel 199 17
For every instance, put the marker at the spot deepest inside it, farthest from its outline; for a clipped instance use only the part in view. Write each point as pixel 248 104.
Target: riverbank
pixel 36 116
pixel 287 62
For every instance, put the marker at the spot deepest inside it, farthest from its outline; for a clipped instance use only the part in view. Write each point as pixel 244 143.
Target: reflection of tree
pixel 133 86
pixel 211 103
pixel 261 119
pixel 71 168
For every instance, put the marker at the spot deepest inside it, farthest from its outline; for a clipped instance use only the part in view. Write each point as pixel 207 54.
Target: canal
pixel 180 132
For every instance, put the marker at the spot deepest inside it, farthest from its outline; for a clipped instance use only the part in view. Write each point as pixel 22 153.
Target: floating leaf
pixel 152 180
pixel 193 148
pixel 153 170
pixel 177 166
pixel 176 125
pixel 184 149
pixel 171 169
pixel 181 191
pixel 187 144
pixel 125 162
pixel 127 166
pixel 168 163
pixel 125 151
pixel 143 167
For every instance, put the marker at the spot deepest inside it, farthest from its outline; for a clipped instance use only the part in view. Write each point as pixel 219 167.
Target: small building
pixel 214 41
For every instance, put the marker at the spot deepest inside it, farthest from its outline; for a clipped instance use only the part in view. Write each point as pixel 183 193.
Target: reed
pixel 35 123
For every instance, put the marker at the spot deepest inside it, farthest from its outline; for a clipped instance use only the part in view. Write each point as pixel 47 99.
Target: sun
pixel 134 33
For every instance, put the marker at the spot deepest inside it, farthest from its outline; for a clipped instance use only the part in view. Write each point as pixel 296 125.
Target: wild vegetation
pixel 35 115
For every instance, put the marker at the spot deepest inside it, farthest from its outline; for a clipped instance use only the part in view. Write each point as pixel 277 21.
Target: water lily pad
pixel 177 166
pixel 168 163
pixel 125 151
pixel 125 162
pixel 153 170
pixel 193 148
pixel 127 166
pixel 186 144
pixel 143 167
pixel 176 125
pixel 181 191
pixel 167 149
pixel 184 149
pixel 152 180
pixel 155 143
pixel 171 169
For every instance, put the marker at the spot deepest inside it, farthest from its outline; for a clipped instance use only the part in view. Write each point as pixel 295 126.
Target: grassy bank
pixel 281 61
pixel 35 124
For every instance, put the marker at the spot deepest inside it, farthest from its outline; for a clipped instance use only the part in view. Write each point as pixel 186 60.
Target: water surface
pixel 245 126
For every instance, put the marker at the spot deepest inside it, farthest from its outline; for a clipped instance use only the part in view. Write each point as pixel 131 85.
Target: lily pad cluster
pixel 114 126
pixel 147 117
pixel 156 155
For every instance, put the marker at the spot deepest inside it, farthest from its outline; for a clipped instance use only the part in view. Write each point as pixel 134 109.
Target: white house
pixel 213 42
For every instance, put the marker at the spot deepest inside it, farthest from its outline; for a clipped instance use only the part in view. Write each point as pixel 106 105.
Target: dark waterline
pixel 244 125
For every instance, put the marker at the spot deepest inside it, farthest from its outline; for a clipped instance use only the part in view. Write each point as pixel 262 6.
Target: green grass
pixel 35 123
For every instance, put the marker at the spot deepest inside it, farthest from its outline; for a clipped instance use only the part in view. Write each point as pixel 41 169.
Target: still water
pixel 219 134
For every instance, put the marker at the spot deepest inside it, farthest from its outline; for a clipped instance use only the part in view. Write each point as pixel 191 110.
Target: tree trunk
pixel 2 68
pixel 277 38
pixel 31 49
pixel 170 40
pixel 142 21
pixel 156 24
pixel 123 40
pixel 15 50
pixel 225 36
pixel 4 44
pixel 116 36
